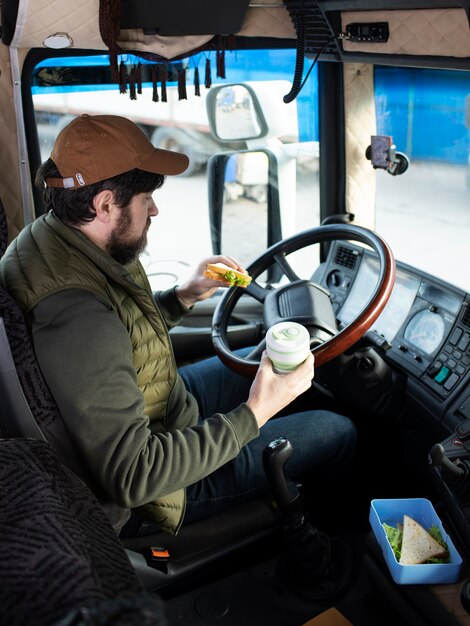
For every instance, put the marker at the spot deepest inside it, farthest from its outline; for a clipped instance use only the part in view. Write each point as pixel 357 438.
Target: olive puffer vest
pixel 55 257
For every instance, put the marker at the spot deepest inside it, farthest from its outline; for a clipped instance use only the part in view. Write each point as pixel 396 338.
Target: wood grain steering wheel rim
pixel 341 341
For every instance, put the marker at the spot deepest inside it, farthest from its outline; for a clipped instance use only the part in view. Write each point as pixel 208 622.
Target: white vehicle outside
pixel 173 125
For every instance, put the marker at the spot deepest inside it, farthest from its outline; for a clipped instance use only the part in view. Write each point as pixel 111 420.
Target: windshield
pixel 181 234
pixel 424 214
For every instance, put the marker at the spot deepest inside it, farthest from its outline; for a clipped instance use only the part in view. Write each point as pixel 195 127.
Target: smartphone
pixel 382 151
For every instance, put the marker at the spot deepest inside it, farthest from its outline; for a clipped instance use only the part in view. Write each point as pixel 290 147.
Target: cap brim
pixel 165 162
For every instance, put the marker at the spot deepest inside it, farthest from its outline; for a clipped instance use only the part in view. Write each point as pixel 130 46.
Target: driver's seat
pixel 28 410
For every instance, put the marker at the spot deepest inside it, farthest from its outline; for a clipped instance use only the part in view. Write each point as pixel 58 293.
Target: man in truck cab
pixel 168 444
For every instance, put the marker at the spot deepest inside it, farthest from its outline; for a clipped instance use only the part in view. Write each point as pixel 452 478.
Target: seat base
pixel 199 547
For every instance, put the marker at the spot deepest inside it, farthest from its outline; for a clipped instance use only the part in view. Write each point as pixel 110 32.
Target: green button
pixel 442 375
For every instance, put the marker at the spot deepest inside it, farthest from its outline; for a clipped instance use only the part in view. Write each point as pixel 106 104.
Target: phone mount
pixel 383 155
pixel 399 164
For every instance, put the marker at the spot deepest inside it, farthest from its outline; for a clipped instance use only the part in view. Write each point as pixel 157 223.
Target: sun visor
pixel 180 17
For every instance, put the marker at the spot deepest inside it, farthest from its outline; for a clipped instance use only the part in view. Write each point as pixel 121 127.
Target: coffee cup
pixel 287 345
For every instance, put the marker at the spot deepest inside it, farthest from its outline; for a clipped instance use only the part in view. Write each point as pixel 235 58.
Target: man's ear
pixel 104 206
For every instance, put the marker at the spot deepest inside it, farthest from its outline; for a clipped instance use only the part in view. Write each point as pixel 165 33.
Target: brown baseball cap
pixel 95 147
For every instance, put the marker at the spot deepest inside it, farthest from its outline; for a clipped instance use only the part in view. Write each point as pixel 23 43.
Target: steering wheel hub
pixel 304 302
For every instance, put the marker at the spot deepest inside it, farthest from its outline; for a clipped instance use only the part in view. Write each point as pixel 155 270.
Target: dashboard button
pixel 448 349
pixel 456 336
pixel 466 360
pixel 460 370
pixel 442 375
pixel 463 343
pixel 451 382
pixel 457 354
pixel 443 357
pixel 434 368
pixel 451 363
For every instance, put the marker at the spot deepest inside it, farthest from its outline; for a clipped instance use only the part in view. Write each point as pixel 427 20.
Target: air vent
pixel 318 33
pixel 346 257
pixel 466 316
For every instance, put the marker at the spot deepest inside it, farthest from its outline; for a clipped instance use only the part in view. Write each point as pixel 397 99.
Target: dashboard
pixel 424 328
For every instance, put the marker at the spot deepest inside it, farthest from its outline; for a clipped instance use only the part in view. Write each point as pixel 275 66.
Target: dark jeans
pixel 323 442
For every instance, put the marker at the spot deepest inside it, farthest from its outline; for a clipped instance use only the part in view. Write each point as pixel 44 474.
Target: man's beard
pixel 120 247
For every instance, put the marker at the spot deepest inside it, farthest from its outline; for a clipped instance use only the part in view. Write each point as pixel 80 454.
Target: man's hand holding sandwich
pixel 210 274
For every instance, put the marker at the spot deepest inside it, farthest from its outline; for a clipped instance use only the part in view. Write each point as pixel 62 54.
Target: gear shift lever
pixel 287 496
pixel 312 566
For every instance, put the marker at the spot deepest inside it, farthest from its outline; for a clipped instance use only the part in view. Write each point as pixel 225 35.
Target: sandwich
pixel 227 275
pixel 417 545
pixel 412 544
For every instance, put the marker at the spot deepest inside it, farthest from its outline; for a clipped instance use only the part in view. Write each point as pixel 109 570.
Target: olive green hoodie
pixel 102 343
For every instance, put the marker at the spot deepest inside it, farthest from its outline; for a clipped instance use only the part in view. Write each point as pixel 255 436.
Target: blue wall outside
pixel 424 112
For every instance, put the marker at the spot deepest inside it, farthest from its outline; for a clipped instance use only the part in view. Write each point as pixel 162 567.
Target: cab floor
pixel 255 596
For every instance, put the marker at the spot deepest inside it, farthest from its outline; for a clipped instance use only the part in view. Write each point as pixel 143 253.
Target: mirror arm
pixel 216 167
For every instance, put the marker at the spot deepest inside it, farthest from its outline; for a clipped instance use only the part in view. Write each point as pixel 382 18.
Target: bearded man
pixel 156 444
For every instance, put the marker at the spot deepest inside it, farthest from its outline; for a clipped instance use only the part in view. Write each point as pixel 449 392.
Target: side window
pixel 424 213
pixel 181 234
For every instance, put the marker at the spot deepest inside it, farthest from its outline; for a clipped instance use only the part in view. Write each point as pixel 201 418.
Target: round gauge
pixel 425 331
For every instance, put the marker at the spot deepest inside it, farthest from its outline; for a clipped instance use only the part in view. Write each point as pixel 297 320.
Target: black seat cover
pixel 59 556
pixel 34 387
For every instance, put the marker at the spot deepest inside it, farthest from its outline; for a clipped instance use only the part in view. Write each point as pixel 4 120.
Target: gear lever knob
pixel 275 456
pixel 287 496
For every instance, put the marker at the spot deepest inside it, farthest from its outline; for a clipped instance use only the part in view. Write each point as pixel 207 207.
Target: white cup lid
pixel 287 337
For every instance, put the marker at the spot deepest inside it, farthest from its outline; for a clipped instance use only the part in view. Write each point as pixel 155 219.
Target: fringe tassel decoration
pixel 163 78
pixel 208 78
pixel 197 90
pixel 182 84
pixel 109 24
pixel 132 91
pixel 220 59
pixel 122 78
pixel 220 63
pixel 155 73
pixel 231 42
pixel 138 78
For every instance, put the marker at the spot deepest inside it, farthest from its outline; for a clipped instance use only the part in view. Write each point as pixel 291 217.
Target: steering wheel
pixel 303 301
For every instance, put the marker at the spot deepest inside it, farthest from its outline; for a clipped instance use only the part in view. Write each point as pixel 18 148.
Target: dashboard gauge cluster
pixel 425 326
pixel 425 331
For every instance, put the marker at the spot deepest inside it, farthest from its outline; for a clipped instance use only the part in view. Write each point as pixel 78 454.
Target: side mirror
pixel 235 114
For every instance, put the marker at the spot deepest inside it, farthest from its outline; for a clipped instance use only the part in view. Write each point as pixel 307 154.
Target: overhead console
pixel 425 327
pixel 437 32
pixel 425 32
